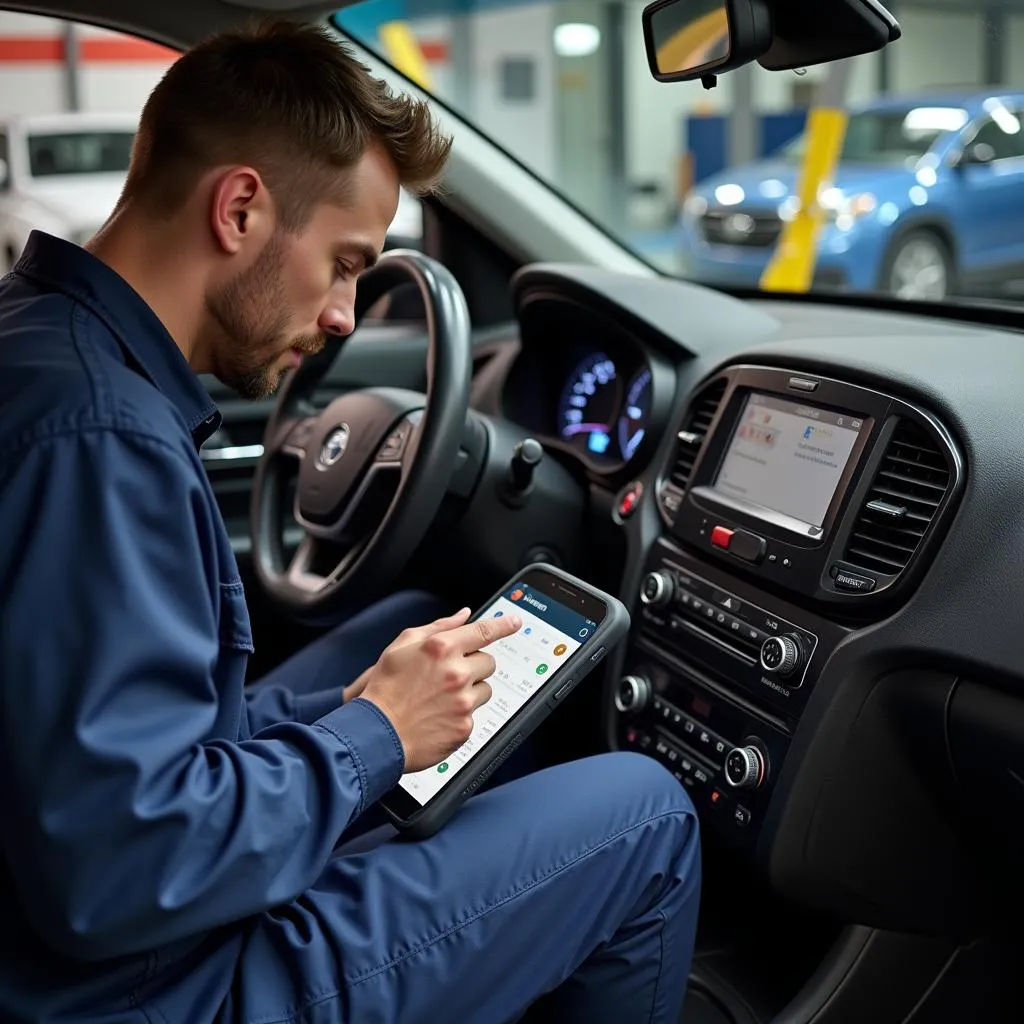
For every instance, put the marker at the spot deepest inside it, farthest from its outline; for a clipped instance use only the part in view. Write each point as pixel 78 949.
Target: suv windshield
pixel 925 200
pixel 79 152
pixel 888 137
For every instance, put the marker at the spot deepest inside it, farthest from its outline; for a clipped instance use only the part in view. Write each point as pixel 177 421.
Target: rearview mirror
pixel 691 39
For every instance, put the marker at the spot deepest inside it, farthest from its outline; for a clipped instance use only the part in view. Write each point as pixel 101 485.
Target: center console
pixel 795 508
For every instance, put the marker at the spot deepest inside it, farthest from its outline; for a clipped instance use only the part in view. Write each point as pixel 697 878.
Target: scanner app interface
pixel 551 632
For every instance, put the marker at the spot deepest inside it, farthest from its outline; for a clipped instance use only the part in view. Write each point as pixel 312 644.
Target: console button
pixel 726 601
pixel 629 498
pixel 781 655
pixel 657 589
pixel 741 816
pixel 744 768
pixel 721 537
pixel 633 694
pixel 752 634
pixel 852 581
pixel 748 546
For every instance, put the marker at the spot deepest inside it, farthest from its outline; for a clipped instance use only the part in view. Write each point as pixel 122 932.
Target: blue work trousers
pixel 581 880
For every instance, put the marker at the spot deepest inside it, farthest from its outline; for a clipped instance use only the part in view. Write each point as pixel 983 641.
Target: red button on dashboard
pixel 721 537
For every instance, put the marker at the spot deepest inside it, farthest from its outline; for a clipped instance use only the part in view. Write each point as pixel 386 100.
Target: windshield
pixel 888 137
pixel 925 200
pixel 80 152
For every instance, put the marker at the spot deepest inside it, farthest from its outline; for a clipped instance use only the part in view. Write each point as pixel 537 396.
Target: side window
pixel 406 230
pixel 1001 139
pixel 98 97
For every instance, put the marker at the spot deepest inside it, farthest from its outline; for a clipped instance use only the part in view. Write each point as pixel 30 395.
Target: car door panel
pixel 989 208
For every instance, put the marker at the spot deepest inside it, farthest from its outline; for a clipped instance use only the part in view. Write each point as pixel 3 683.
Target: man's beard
pixel 252 316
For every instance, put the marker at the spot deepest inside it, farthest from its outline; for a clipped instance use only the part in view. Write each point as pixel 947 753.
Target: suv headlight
pixel 695 205
pixel 846 210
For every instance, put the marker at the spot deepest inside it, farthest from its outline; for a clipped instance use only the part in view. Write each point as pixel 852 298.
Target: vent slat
pixel 914 475
pixel 693 432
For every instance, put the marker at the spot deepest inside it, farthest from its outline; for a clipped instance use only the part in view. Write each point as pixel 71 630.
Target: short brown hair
pixel 291 101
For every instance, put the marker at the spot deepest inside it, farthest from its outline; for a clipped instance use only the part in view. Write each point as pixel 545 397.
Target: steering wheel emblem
pixel 334 447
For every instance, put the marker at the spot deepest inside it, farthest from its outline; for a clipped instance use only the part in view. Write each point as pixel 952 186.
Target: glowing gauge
pixel 589 402
pixel 635 414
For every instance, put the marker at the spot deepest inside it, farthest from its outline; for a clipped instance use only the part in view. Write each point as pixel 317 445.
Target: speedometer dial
pixel 589 403
pixel 635 414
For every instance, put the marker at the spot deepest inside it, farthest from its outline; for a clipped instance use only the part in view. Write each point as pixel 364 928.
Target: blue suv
pixel 928 201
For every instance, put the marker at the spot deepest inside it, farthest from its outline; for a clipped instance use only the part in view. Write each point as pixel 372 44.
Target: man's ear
pixel 241 210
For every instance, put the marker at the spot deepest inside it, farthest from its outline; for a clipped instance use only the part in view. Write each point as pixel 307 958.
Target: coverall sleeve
pixel 270 705
pixel 133 816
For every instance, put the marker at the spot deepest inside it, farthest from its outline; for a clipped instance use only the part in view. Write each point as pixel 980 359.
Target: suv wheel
pixel 919 267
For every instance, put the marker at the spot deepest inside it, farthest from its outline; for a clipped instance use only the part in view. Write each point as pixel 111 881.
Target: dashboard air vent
pixel 904 497
pixel 695 429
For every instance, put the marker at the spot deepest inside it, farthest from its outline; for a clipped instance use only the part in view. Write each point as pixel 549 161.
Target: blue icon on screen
pixel 598 442
pixel 528 630
pixel 498 615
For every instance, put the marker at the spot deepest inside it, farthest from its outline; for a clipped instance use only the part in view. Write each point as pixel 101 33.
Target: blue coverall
pixel 173 846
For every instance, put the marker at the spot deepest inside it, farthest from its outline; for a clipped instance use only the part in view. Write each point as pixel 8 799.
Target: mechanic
pixel 173 846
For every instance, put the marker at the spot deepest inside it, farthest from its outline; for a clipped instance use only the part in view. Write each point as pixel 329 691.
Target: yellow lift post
pixel 791 268
pixel 404 52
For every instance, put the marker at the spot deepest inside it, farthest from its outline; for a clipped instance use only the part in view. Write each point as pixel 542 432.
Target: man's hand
pixel 408 636
pixel 430 681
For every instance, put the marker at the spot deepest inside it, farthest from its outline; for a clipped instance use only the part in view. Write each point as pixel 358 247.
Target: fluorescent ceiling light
pixel 576 39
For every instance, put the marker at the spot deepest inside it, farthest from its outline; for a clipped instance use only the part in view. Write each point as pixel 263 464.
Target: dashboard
pixel 586 386
pixel 827 650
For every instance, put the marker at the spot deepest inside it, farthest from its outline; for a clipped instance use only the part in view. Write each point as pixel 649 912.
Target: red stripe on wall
pixel 435 50
pixel 126 50
pixel 91 50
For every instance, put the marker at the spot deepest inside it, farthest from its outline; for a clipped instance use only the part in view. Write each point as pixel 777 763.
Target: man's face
pixel 301 287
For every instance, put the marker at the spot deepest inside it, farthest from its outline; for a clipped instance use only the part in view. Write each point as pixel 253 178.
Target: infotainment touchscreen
pixel 788 458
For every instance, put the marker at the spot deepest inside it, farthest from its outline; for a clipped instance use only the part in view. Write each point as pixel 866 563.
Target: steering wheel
pixel 374 465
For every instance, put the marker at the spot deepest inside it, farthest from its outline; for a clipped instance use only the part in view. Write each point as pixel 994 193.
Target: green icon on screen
pixel 541 669
pixel 443 767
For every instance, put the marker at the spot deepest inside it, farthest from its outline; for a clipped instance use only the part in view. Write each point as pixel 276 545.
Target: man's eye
pixel 343 270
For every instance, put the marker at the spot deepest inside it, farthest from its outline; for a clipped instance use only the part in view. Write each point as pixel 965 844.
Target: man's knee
pixel 626 799
pixel 642 782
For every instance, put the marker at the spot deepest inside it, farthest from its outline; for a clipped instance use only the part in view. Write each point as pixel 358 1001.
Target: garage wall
pixel 939 48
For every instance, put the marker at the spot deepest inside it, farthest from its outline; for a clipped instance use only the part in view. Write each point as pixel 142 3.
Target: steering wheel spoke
pixel 295 435
pixel 306 570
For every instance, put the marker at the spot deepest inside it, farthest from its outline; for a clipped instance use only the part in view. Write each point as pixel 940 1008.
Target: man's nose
pixel 338 318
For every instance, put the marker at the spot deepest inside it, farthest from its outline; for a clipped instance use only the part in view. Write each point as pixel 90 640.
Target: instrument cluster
pixel 603 411
pixel 601 402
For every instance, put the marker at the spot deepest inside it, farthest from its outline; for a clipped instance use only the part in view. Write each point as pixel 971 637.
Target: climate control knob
pixel 632 695
pixel 744 767
pixel 657 589
pixel 781 655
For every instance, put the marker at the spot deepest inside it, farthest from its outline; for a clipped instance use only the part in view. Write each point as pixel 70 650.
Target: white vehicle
pixel 60 173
